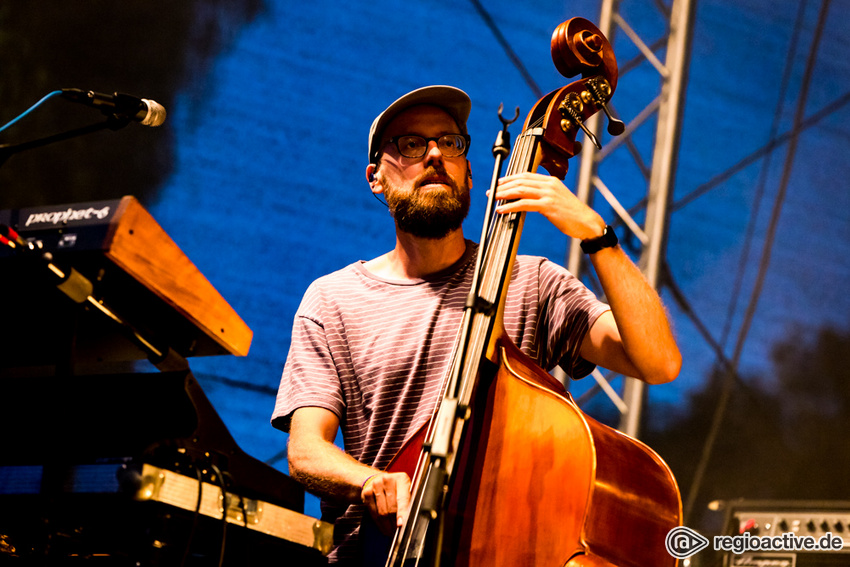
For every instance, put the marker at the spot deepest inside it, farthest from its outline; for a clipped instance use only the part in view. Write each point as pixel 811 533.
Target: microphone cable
pixel 30 109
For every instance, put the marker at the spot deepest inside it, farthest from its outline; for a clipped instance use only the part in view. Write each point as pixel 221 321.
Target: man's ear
pixel 372 178
pixel 469 172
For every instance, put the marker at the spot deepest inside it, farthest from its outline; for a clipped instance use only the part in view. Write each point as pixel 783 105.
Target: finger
pixel 521 206
pixel 515 194
pixel 524 177
pixel 515 191
pixel 512 186
pixel 535 181
pixel 403 496
pixel 385 503
pixel 379 494
pixel 391 496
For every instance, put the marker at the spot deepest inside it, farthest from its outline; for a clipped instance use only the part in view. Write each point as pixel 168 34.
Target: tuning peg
pixel 584 129
pixel 599 92
pixel 615 126
pixel 570 109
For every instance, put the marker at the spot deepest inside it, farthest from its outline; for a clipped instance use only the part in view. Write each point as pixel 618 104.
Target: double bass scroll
pixel 578 47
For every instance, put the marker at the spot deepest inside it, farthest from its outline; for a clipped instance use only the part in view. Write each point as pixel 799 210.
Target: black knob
pixel 615 127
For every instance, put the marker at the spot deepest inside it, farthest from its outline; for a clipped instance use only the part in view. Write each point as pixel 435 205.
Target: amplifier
pixel 793 533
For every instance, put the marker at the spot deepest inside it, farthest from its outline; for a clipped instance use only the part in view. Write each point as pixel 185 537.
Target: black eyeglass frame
pixel 394 141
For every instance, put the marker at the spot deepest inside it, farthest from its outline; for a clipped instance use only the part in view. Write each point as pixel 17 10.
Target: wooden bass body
pixel 540 483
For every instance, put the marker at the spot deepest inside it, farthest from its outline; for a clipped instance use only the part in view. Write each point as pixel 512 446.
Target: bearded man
pixel 371 343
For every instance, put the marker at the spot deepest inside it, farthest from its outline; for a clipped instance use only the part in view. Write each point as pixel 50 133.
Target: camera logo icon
pixel 682 542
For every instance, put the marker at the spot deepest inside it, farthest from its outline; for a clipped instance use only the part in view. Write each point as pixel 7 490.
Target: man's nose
pixel 433 152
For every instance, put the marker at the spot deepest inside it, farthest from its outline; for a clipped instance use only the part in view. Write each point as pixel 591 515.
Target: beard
pixel 428 214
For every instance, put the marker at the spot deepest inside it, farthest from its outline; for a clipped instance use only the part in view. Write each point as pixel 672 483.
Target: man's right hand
pixel 387 495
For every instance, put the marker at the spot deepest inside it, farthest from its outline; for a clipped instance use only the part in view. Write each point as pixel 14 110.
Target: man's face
pixel 427 196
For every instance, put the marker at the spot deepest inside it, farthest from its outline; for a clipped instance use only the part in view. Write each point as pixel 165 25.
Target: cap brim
pixel 451 99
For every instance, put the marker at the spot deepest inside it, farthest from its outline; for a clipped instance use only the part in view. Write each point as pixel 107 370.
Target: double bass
pixel 509 471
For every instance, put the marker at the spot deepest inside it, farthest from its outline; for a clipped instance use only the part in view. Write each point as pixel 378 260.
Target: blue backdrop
pixel 267 188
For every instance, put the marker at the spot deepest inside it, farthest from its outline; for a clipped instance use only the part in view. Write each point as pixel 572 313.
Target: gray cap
pixel 452 100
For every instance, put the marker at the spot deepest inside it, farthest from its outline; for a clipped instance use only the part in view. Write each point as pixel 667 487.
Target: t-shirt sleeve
pixel 310 378
pixel 569 310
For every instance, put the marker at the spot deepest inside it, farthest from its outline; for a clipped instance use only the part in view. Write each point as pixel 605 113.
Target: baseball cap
pixel 451 99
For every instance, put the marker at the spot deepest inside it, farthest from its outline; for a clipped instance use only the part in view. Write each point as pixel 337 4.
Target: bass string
pixel 499 226
pixel 503 224
pixel 505 229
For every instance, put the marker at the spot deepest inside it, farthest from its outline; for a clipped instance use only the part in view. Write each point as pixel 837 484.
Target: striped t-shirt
pixel 375 351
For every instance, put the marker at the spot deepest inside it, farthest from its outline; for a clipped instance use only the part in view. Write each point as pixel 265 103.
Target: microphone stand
pixel 112 122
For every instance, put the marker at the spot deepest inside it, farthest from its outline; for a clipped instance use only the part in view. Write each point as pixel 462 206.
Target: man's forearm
pixel 325 470
pixel 640 316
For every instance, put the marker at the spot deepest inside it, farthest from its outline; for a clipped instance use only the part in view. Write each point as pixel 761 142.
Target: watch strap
pixel 594 245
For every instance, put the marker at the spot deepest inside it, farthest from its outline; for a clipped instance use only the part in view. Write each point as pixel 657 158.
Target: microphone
pixel 148 112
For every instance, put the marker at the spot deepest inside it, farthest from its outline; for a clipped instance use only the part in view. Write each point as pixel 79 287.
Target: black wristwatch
pixel 594 245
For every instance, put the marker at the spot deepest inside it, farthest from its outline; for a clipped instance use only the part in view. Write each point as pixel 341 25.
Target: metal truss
pixel 659 175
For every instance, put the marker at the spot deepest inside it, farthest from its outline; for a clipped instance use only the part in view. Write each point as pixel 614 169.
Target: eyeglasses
pixel 450 145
